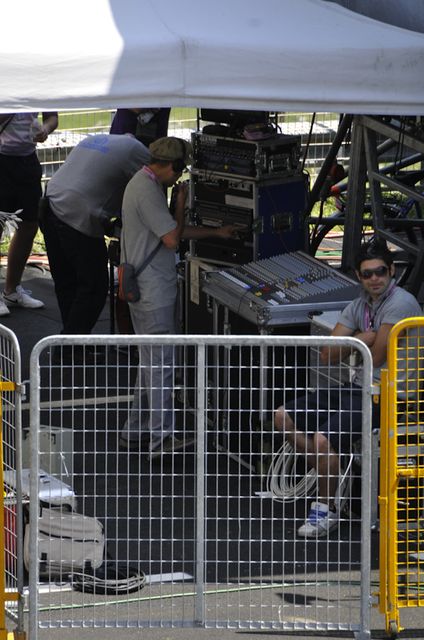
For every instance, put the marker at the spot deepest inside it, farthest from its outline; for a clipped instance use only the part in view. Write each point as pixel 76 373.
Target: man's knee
pixel 321 443
pixel 282 420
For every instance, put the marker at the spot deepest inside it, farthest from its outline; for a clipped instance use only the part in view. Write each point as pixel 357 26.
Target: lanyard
pixel 370 315
pixel 151 174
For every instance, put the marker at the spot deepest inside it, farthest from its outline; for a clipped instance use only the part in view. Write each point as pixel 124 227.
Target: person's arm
pixel 336 354
pixel 50 122
pixel 379 346
pixel 200 233
pixel 376 341
pixel 171 240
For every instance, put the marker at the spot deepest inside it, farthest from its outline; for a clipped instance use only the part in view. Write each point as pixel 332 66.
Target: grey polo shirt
pixel 145 219
pixel 389 308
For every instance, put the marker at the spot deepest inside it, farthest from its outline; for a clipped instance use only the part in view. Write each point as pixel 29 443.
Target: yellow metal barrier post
pixel 401 474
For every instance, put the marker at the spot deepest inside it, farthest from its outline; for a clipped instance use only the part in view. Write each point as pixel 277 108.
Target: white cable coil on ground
pixel 285 485
pixel 282 481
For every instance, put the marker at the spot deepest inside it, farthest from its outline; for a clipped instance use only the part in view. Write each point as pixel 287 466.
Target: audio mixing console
pixel 285 289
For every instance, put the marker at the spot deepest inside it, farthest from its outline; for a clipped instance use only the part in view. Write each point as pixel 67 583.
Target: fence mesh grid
pixel 217 549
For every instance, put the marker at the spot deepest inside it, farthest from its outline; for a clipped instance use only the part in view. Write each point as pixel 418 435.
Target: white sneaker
pixel 321 520
pixel 22 298
pixel 4 311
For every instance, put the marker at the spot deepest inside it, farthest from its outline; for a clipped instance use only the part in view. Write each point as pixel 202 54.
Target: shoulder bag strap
pixel 148 259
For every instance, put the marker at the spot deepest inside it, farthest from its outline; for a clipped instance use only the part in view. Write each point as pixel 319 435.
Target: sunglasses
pixel 366 274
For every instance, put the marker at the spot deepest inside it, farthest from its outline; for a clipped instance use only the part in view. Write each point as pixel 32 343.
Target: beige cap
pixel 170 148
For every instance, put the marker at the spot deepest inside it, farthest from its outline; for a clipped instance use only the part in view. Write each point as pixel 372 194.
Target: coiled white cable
pixel 345 485
pixel 283 482
pixel 284 486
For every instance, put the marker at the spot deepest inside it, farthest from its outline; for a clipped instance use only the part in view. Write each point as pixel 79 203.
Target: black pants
pixel 78 264
pixel 20 185
pixel 335 412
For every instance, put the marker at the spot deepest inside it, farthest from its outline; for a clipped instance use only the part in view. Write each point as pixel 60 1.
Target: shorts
pixel 20 185
pixel 334 412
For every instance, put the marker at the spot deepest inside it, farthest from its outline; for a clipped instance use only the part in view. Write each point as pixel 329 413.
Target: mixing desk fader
pixel 281 290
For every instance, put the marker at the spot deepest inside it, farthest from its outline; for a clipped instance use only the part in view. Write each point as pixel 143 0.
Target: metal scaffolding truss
pixel 386 159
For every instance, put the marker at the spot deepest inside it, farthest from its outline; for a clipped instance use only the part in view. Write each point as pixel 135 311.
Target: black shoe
pixel 171 444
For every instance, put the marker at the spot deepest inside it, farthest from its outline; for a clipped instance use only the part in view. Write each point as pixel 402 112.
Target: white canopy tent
pixel 283 55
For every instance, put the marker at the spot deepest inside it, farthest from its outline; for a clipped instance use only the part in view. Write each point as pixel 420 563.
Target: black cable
pixel 308 142
pixel 111 578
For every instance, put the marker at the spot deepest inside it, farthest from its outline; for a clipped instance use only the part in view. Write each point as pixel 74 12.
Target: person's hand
pixel 228 231
pixel 368 337
pixel 41 135
pixel 182 190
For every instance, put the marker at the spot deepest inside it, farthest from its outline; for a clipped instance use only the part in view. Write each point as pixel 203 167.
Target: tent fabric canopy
pixel 306 55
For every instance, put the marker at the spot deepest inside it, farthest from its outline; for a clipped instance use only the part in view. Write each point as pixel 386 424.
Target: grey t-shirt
pixel 145 219
pixel 90 185
pixel 394 305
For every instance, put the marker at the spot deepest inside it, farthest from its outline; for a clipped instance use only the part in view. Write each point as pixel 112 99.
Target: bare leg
pixel 319 454
pixel 19 251
pixel 300 442
pixel 327 466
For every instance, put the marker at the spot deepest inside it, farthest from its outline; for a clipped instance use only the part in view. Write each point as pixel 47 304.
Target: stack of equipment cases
pixel 259 187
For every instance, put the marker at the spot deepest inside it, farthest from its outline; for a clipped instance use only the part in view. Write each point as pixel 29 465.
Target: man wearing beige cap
pixel 151 235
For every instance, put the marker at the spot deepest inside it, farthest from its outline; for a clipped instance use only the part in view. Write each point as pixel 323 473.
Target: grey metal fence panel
pixel 218 545
pixel 11 422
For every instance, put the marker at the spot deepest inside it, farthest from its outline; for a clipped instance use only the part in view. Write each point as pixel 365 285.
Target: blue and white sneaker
pixel 321 520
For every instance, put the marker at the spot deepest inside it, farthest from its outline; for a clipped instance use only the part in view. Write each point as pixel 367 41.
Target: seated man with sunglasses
pixel 314 424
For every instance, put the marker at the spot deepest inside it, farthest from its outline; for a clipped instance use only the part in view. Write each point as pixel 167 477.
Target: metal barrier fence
pixel 11 513
pixel 213 526
pixel 402 474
